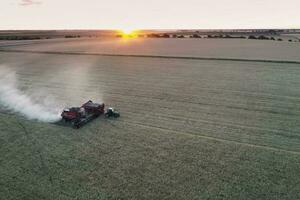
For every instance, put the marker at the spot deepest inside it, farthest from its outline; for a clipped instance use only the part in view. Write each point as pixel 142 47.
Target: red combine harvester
pixel 79 116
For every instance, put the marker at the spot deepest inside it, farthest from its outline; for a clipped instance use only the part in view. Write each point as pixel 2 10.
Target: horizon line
pixel 146 29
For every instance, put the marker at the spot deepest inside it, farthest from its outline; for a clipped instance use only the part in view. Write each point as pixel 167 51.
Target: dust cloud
pixel 13 99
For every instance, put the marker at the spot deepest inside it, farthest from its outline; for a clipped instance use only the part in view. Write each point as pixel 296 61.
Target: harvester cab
pixel 111 112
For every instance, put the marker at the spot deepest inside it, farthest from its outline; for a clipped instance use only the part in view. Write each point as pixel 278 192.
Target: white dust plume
pixel 13 99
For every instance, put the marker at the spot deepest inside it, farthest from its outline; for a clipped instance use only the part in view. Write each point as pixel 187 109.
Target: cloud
pixel 29 2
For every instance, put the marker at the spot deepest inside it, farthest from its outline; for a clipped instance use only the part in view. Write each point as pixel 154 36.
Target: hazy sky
pixel 148 14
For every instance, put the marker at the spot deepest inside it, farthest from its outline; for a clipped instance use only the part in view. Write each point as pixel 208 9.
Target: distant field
pixel 214 48
pixel 189 129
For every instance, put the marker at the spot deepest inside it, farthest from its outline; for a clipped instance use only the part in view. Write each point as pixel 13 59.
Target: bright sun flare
pixel 128 33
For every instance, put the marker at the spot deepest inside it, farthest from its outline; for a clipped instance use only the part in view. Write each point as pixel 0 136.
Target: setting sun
pixel 128 33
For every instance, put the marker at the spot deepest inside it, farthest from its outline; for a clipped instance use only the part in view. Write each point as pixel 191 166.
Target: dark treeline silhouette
pixel 262 37
pixel 72 36
pixel 14 37
pixel 226 36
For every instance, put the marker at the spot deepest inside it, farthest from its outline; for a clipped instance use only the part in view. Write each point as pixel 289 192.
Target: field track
pixel 149 56
pixel 214 138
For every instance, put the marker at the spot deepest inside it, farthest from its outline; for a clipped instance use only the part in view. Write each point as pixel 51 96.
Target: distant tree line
pixel 155 35
pixel 15 37
pixel 262 37
pixel 72 36
pixel 226 36
pixel 222 36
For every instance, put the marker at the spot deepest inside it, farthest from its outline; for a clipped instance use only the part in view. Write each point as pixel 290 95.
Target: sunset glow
pixel 128 33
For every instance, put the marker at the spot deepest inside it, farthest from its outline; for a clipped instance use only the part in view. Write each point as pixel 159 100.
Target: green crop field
pixel 189 129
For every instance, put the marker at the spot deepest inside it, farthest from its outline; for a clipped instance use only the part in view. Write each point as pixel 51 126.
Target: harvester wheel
pixel 77 126
pixel 116 115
